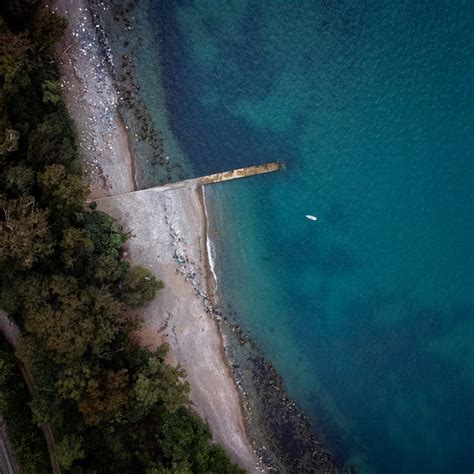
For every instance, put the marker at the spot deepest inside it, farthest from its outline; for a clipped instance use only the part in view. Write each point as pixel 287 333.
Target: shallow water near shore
pixel 367 313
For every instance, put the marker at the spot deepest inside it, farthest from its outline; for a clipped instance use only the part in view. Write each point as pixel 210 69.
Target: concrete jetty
pixel 239 173
pixel 209 179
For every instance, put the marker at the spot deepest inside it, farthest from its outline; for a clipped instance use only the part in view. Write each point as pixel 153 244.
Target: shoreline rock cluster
pixel 147 139
pixel 186 265
pixel 195 342
pixel 283 436
pixel 280 416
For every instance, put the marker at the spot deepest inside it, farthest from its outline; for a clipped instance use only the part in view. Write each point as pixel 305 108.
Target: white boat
pixel 311 218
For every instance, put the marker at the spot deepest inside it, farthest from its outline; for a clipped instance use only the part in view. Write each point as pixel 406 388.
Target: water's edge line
pixel 210 276
pixel 206 246
pixel 105 51
pixel 211 288
pixel 210 246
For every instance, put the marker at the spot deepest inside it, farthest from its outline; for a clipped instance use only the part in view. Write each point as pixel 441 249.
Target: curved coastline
pixel 234 335
pixel 167 231
pixel 181 214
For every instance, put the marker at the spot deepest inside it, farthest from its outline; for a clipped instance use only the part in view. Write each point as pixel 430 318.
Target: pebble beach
pixel 168 235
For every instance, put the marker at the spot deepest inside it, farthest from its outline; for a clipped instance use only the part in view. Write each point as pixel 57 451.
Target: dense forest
pixel 110 405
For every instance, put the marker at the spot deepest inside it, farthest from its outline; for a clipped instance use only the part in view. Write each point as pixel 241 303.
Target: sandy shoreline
pixel 174 248
pixel 169 236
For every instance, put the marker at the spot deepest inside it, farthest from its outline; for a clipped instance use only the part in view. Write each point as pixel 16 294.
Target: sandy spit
pixel 169 236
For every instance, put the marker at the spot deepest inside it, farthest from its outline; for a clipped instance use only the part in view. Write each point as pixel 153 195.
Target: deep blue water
pixel 368 313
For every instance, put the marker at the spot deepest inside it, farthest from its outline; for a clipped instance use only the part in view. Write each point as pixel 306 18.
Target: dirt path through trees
pixel 11 333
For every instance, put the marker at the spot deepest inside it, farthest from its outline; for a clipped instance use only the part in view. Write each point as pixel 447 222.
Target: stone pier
pixel 209 179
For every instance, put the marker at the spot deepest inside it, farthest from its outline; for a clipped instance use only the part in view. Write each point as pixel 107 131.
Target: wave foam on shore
pixel 169 236
pixel 210 246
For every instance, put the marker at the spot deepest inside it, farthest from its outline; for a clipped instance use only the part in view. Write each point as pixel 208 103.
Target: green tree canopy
pixel 139 286
pixel 76 247
pixel 68 450
pixel 101 394
pixel 71 320
pixel 52 140
pixel 10 141
pixel 16 60
pixel 105 232
pixel 24 232
pixel 19 179
pixel 63 192
pixel 112 405
pixel 158 382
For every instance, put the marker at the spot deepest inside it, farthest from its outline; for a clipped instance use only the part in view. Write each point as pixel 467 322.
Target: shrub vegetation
pixel 112 406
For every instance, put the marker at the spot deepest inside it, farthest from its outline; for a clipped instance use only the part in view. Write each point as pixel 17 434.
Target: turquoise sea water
pixel 368 313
